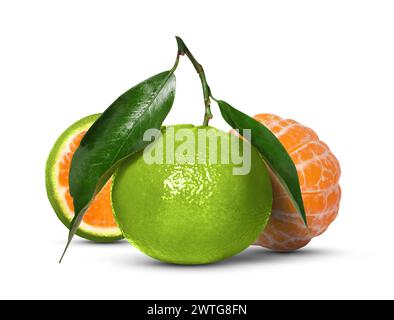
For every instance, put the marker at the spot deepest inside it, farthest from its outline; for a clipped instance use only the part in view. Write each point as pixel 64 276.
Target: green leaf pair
pixel 119 132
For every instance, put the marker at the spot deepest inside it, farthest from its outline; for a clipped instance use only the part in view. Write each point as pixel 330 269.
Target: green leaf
pixel 117 134
pixel 271 149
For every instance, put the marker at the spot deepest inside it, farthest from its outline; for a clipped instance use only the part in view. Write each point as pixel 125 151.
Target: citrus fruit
pixel 193 210
pixel 318 171
pixel 98 223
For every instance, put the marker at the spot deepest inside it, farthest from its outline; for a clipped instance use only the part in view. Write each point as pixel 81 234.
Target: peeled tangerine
pixel 318 172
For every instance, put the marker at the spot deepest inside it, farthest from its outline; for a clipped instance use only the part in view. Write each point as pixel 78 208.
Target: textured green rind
pixel 51 181
pixel 191 214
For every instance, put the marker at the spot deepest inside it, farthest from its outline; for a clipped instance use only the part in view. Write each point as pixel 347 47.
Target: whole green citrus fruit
pixel 186 207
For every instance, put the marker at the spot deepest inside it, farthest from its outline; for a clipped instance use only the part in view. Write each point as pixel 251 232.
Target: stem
pixel 183 50
pixel 175 64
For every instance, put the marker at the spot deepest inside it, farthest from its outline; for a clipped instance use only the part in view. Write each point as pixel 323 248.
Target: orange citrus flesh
pixel 318 171
pixel 99 214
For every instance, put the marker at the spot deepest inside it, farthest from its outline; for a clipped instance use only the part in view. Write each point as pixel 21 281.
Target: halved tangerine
pixel 98 223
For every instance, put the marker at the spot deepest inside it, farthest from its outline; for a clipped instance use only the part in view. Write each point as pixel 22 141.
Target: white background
pixel 327 64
